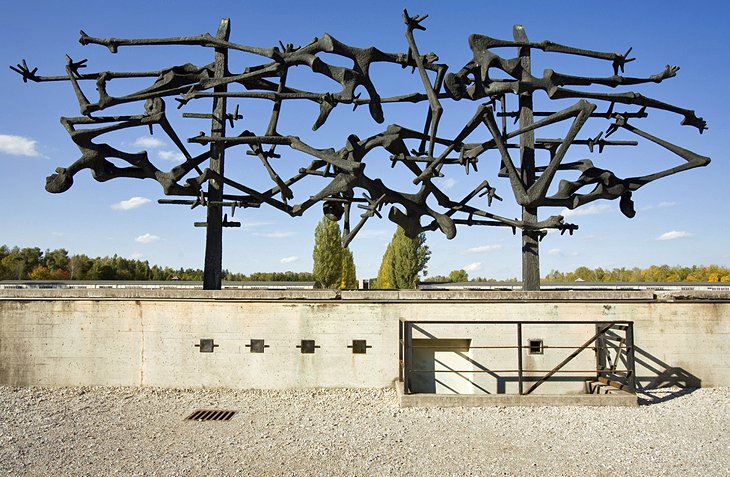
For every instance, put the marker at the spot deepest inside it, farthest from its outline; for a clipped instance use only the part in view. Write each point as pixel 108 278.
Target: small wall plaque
pixel 307 346
pixel 257 346
pixel 359 346
pixel 206 345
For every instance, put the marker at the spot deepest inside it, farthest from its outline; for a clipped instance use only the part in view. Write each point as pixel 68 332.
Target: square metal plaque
pixel 307 346
pixel 206 345
pixel 360 346
pixel 257 346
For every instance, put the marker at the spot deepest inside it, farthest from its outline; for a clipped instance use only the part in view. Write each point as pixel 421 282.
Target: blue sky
pixel 680 220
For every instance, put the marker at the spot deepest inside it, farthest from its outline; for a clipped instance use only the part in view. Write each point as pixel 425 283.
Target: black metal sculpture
pixel 344 169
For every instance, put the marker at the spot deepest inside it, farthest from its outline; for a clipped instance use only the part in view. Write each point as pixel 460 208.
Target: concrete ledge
pixel 695 295
pixel 375 296
pixel 514 295
pixel 323 295
pixel 497 295
pixel 621 399
pixel 166 294
pixel 368 295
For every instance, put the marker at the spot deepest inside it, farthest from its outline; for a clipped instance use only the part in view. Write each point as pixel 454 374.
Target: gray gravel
pixel 141 431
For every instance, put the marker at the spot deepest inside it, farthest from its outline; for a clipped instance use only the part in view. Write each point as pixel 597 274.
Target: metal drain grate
pixel 211 415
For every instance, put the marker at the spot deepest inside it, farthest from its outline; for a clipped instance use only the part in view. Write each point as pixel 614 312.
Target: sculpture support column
pixel 530 244
pixel 214 229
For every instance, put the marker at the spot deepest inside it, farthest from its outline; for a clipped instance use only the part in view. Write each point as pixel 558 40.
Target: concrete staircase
pixel 603 385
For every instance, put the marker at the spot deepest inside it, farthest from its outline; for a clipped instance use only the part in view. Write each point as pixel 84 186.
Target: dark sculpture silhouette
pixel 487 78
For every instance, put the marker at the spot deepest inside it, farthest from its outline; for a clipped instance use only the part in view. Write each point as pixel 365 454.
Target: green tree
pixel 11 269
pixel 40 272
pixel 327 254
pixel 456 276
pixel 349 276
pixel 4 271
pixel 408 259
pixel 79 266
pixel 19 262
pixel 585 274
pixel 56 260
pixel 383 280
pixel 101 270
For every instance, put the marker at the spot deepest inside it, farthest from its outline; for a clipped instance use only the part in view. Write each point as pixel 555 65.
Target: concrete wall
pixel 148 337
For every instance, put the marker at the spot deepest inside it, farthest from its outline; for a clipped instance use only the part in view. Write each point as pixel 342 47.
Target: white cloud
pixel 252 225
pixel 18 146
pixel 131 203
pixel 448 184
pixel 147 238
pixel 289 259
pixel 473 267
pixel 275 234
pixel 136 255
pixel 484 248
pixel 148 142
pixel 171 156
pixel 660 205
pixel 559 253
pixel 585 210
pixel 674 234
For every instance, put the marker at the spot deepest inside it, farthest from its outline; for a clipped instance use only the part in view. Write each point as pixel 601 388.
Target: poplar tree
pixel 403 261
pixel 382 281
pixel 349 277
pixel 327 254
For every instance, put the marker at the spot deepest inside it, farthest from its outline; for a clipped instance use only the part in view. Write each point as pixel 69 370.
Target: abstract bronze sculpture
pixel 487 79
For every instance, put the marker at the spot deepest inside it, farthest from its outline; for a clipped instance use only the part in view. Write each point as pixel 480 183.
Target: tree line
pixel 334 265
pixel 31 263
pixel 402 265
pixel 654 273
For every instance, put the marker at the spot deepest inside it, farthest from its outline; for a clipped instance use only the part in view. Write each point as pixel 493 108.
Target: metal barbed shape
pixel 347 183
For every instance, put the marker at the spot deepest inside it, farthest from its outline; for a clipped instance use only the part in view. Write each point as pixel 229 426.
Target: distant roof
pixel 581 284
pixel 153 283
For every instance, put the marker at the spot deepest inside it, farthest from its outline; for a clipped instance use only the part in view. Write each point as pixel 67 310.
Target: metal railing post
pixel 400 350
pixel 408 356
pixel 519 357
pixel 600 353
pixel 630 358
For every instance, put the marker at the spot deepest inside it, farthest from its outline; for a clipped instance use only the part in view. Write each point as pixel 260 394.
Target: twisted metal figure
pixel 344 171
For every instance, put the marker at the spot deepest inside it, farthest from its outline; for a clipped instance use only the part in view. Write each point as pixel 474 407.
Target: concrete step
pixel 481 400
pixel 605 386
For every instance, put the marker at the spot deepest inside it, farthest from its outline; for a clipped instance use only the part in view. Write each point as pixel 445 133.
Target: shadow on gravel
pixel 649 397
pixel 662 382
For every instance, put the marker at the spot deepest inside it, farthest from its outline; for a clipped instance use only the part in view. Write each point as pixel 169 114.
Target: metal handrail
pixel 604 365
pixel 600 371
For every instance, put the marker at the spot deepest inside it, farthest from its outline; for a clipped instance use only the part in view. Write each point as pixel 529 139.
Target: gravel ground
pixel 142 431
